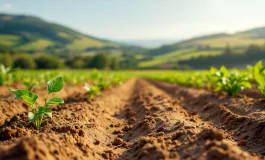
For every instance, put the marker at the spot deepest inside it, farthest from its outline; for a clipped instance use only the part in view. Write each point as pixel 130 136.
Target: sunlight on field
pixel 233 41
pixel 85 42
pixel 8 40
pixel 177 56
pixel 64 35
pixel 36 45
pixel 199 54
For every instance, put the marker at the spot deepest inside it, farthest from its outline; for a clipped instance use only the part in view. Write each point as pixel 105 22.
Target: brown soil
pixel 138 120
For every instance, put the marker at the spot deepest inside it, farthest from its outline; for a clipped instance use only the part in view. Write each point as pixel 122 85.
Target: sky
pixel 145 19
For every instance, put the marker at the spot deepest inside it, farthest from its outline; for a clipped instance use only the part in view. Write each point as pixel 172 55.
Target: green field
pixel 37 45
pixel 84 42
pixel 176 56
pixel 8 40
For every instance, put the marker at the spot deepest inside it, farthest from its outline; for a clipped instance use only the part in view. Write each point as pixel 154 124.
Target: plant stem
pixel 37 124
pixel 40 118
pixel 45 105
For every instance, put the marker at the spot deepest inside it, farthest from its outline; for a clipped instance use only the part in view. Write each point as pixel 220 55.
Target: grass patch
pixel 36 45
pixel 8 40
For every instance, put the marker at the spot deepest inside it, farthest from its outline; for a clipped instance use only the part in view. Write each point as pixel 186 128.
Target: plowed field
pixel 141 119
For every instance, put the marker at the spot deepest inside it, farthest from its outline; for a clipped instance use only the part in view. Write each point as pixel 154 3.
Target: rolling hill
pixel 203 46
pixel 32 34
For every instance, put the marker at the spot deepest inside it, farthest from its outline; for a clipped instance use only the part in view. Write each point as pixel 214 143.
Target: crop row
pixel 228 81
pixel 37 114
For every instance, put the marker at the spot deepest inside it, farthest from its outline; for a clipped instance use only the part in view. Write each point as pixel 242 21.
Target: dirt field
pixel 140 119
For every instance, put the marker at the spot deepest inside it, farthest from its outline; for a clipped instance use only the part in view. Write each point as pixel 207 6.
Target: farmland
pixel 91 114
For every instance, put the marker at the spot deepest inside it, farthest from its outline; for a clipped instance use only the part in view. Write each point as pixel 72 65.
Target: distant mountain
pixel 217 41
pixel 152 43
pixel 204 46
pixel 32 34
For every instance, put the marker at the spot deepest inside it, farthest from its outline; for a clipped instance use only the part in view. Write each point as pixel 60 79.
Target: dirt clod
pixel 117 141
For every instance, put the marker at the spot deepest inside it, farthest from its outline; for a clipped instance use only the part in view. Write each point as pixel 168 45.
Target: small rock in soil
pixel 118 141
pixel 97 142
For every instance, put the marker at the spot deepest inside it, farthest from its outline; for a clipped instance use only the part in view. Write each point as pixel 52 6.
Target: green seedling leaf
pixel 92 91
pixel 232 84
pixel 55 85
pixel 259 76
pixel 27 96
pixel 44 110
pixel 55 100
pixel 37 114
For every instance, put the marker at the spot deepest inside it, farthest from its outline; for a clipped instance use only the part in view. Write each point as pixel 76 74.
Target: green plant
pixel 259 76
pixel 94 90
pixel 116 80
pixel 210 78
pixel 95 74
pixel 78 79
pixel 5 75
pixel 103 84
pixel 232 84
pixel 37 114
pixel 199 80
pixel 30 84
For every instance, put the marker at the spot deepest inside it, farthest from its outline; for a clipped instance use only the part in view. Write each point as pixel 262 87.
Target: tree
pixel 48 62
pixel 129 61
pixel 253 50
pixel 24 61
pixel 100 61
pixel 227 50
pixel 75 62
pixel 114 63
pixel 87 61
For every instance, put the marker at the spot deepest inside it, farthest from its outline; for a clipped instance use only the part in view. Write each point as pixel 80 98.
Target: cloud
pixel 7 6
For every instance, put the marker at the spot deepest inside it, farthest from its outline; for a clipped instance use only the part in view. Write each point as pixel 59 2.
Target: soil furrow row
pixel 138 120
pixel 236 116
pixel 165 130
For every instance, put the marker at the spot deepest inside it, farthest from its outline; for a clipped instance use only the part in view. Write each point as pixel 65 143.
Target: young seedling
pixel 78 79
pixel 199 80
pixel 30 84
pixel 210 78
pixel 102 84
pixel 92 91
pixel 5 75
pixel 116 80
pixel 232 84
pixel 259 76
pixel 36 115
pixel 95 74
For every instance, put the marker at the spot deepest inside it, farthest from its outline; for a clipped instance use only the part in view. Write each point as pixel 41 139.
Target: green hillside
pixel 32 34
pixel 204 46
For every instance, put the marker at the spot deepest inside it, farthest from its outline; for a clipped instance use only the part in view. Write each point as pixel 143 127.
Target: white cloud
pixel 7 6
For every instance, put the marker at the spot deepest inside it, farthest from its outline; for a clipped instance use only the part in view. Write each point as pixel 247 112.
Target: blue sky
pixel 145 19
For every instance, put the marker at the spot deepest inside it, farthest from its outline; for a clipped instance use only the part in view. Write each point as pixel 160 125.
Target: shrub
pixel 48 62
pixel 76 62
pixel 24 61
pixel 100 61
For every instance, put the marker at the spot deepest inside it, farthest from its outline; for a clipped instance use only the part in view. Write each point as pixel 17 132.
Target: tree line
pixel 46 61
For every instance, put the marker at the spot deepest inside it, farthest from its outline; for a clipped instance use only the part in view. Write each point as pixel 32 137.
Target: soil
pixel 139 120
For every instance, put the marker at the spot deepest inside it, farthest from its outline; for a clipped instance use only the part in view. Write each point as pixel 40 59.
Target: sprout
pixel 232 84
pixel 37 114
pixel 259 76
pixel 92 91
